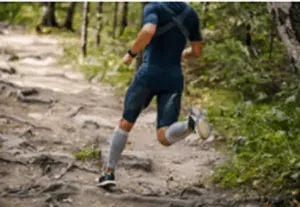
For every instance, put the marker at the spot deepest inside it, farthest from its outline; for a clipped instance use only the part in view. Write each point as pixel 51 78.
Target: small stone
pixel 68 200
pixel 209 139
pixel 192 140
pixel 28 91
pixel 176 162
pixel 95 121
pixel 53 187
pixel 2 138
pixel 170 178
pixel 90 124
pixel 27 132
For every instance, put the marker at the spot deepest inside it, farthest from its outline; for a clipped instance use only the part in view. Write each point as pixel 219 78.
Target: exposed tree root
pixel 66 170
pixel 75 111
pixel 10 84
pixel 22 121
pixel 33 100
pixel 10 159
pixel 43 159
pixel 9 70
pixel 153 199
pixel 22 94
pixel 28 91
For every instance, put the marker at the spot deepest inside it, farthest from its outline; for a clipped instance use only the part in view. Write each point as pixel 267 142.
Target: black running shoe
pixel 106 180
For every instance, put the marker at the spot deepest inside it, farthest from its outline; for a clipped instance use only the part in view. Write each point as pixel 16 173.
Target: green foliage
pixel 87 154
pixel 252 100
pixel 9 11
pixel 267 155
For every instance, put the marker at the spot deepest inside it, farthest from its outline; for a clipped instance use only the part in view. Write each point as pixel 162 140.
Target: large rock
pixel 132 159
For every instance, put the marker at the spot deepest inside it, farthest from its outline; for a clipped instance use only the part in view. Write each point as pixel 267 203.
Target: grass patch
pixel 88 154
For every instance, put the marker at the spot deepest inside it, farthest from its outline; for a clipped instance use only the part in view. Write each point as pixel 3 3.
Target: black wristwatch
pixel 131 53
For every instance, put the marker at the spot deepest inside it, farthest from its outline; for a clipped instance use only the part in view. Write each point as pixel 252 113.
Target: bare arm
pixel 144 37
pixel 193 51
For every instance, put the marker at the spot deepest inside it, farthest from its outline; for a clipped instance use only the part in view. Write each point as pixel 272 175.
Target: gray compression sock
pixel 117 144
pixel 177 132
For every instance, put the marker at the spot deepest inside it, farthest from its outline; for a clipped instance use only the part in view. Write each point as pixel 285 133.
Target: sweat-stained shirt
pixel 161 68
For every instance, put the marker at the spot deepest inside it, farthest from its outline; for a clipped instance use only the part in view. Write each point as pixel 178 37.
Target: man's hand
pixel 144 37
pixel 127 59
pixel 194 51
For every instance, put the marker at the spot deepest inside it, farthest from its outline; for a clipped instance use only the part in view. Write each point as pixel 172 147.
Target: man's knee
pixel 162 137
pixel 125 125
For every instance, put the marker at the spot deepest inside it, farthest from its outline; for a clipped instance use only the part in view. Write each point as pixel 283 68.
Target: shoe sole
pixel 203 128
pixel 107 183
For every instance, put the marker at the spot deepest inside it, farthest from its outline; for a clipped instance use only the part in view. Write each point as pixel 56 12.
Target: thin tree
pixel 48 17
pixel 69 18
pixel 84 31
pixel 124 13
pixel 204 16
pixel 99 23
pixel 139 58
pixel 45 10
pixel 287 22
pixel 272 33
pixel 52 17
pixel 115 19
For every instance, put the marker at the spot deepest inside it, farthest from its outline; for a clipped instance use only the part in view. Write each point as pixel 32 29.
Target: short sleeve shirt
pixel 161 66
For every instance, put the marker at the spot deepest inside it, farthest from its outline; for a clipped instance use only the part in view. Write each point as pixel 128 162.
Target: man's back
pixel 162 57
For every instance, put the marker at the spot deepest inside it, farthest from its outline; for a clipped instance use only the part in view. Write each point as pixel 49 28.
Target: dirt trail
pixel 41 128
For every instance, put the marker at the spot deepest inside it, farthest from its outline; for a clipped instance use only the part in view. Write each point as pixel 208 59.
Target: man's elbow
pixel 149 29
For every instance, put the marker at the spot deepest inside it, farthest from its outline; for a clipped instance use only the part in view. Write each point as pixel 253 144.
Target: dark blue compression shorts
pixel 138 97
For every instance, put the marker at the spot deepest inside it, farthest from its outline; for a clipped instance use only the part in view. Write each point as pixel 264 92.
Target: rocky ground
pixel 48 112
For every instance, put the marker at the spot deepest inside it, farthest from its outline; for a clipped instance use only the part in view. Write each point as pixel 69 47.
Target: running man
pixel 166 28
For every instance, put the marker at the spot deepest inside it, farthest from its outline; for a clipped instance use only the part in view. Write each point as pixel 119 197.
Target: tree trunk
pixel 48 17
pixel 115 19
pixel 84 31
pixel 139 58
pixel 45 10
pixel 124 12
pixel 51 17
pixel 69 18
pixel 287 16
pixel 99 23
pixel 204 16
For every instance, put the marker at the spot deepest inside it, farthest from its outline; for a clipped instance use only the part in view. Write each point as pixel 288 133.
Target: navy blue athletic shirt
pixel 161 68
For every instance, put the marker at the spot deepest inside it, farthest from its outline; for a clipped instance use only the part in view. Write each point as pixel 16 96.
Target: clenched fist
pixel 127 59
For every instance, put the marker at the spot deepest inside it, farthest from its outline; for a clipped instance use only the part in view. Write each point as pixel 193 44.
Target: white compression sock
pixel 117 145
pixel 177 132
